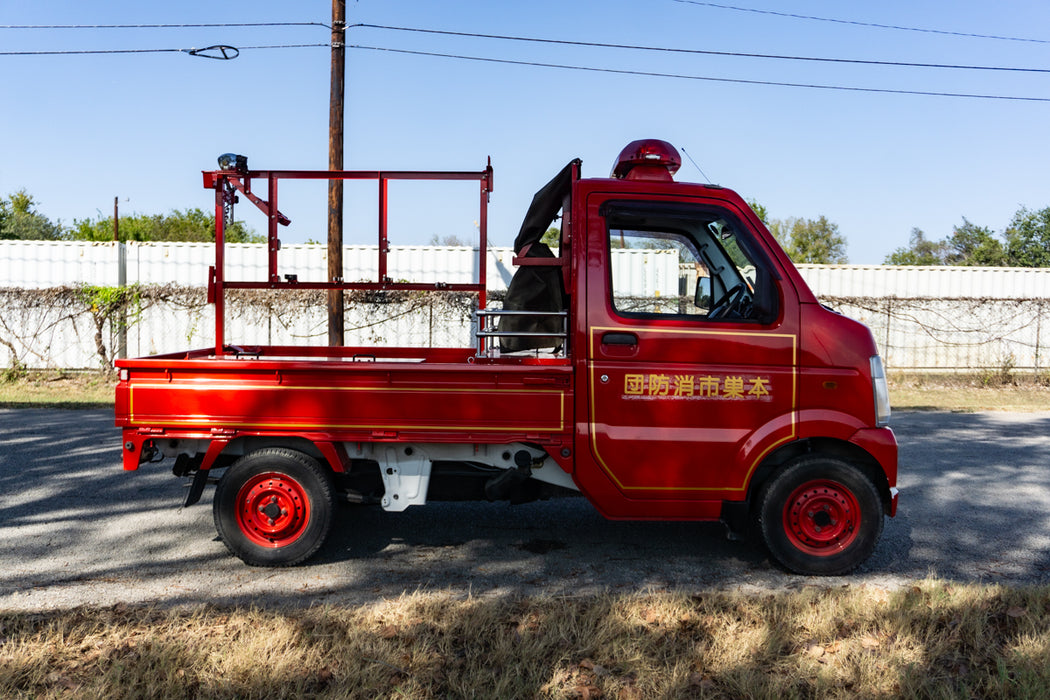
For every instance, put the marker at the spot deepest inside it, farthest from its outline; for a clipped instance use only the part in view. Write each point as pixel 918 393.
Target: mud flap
pixel 200 479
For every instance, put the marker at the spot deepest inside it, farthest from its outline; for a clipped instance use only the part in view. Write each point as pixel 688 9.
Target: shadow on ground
pixel 76 529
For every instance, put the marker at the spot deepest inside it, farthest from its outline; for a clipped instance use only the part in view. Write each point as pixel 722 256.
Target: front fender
pixel 844 435
pixel 881 444
pixel 822 422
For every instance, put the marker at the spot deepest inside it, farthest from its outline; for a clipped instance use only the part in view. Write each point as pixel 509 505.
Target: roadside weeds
pixel 933 639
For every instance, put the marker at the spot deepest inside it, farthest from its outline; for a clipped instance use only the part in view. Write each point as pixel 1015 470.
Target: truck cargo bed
pixel 349 393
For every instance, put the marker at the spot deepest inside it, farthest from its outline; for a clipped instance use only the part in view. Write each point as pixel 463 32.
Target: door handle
pixel 619 339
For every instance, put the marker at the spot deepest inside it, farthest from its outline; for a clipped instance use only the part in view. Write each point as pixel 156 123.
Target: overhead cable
pixel 164 26
pixel 863 24
pixel 814 86
pixel 704 52
pixel 192 51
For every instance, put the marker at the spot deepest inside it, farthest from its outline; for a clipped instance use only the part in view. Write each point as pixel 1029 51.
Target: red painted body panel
pixel 670 426
pixel 338 400
pixel 354 402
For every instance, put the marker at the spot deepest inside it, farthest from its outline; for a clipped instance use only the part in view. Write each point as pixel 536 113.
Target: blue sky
pixel 77 130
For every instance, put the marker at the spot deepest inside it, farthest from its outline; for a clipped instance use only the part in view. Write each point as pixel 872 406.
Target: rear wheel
pixel 273 507
pixel 820 516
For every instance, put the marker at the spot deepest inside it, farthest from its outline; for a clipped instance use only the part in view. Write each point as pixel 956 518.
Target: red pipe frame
pixel 225 182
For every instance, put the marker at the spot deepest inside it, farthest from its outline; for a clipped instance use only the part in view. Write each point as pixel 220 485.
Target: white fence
pixel 40 264
pixel 945 317
pixel 922 317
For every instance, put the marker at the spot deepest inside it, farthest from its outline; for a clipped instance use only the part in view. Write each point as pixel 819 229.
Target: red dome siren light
pixel 647 159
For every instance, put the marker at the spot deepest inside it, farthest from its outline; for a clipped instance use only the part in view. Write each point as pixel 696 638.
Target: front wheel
pixel 820 516
pixel 273 507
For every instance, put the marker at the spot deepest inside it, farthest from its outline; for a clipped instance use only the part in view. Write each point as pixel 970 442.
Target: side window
pixel 692 263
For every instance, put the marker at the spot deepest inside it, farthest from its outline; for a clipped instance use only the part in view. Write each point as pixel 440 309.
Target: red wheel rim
pixel 822 518
pixel 272 510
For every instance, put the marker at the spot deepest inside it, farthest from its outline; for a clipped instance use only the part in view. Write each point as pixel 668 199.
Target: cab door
pixel 692 348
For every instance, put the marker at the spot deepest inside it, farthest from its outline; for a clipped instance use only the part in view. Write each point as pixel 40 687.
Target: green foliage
pixel 969 245
pixel 117 306
pixel 21 222
pixel 189 225
pixel 107 301
pixel 1028 238
pixel 920 251
pixel 552 237
pixel 810 241
pixel 974 245
pixel 760 211
pixel 16 372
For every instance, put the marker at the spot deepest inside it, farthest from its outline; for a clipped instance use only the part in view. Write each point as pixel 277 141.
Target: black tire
pixel 819 516
pixel 273 507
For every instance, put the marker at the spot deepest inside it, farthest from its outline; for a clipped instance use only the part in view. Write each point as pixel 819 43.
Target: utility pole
pixel 335 162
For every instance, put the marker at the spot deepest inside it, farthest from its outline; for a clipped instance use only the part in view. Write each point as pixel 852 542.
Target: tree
pixel 812 241
pixel 189 225
pixel 973 245
pixel 969 246
pixel 552 237
pixel 451 240
pixel 920 251
pixel 20 221
pixel 1028 238
pixel 760 211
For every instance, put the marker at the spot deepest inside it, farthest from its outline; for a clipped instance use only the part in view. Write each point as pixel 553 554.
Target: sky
pixel 78 130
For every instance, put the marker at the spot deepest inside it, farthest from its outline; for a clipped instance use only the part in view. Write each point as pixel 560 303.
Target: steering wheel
pixel 729 301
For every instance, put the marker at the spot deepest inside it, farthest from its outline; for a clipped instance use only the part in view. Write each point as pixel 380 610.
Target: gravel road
pixel 77 530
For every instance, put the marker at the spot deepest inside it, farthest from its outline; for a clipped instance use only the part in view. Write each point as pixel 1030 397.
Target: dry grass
pixel 999 390
pixel 930 640
pixel 53 389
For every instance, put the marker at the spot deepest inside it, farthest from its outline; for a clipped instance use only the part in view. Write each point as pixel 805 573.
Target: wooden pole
pixel 335 162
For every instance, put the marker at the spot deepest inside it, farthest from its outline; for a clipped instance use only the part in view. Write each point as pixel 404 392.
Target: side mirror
pixel 702 298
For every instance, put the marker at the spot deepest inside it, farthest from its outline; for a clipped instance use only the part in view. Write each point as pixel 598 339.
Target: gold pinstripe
pixel 208 421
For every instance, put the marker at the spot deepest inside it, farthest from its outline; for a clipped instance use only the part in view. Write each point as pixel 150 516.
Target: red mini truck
pixel 739 399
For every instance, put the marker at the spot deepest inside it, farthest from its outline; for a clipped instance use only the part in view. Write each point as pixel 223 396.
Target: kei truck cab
pixel 737 399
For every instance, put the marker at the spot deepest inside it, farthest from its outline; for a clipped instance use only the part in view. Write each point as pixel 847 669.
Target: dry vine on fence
pixel 34 322
pixel 75 326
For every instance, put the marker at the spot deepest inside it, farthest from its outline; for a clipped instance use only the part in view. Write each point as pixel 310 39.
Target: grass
pixel 933 639
pixel 55 389
pixel 986 391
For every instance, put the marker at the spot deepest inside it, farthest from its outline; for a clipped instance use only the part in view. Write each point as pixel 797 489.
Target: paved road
pixel 77 530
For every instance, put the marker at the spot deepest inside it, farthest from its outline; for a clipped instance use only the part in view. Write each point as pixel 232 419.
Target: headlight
pixel 881 390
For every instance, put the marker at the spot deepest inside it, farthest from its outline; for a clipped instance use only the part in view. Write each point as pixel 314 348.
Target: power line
pixel 864 24
pixel 814 86
pixel 704 52
pixel 164 26
pixel 120 51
